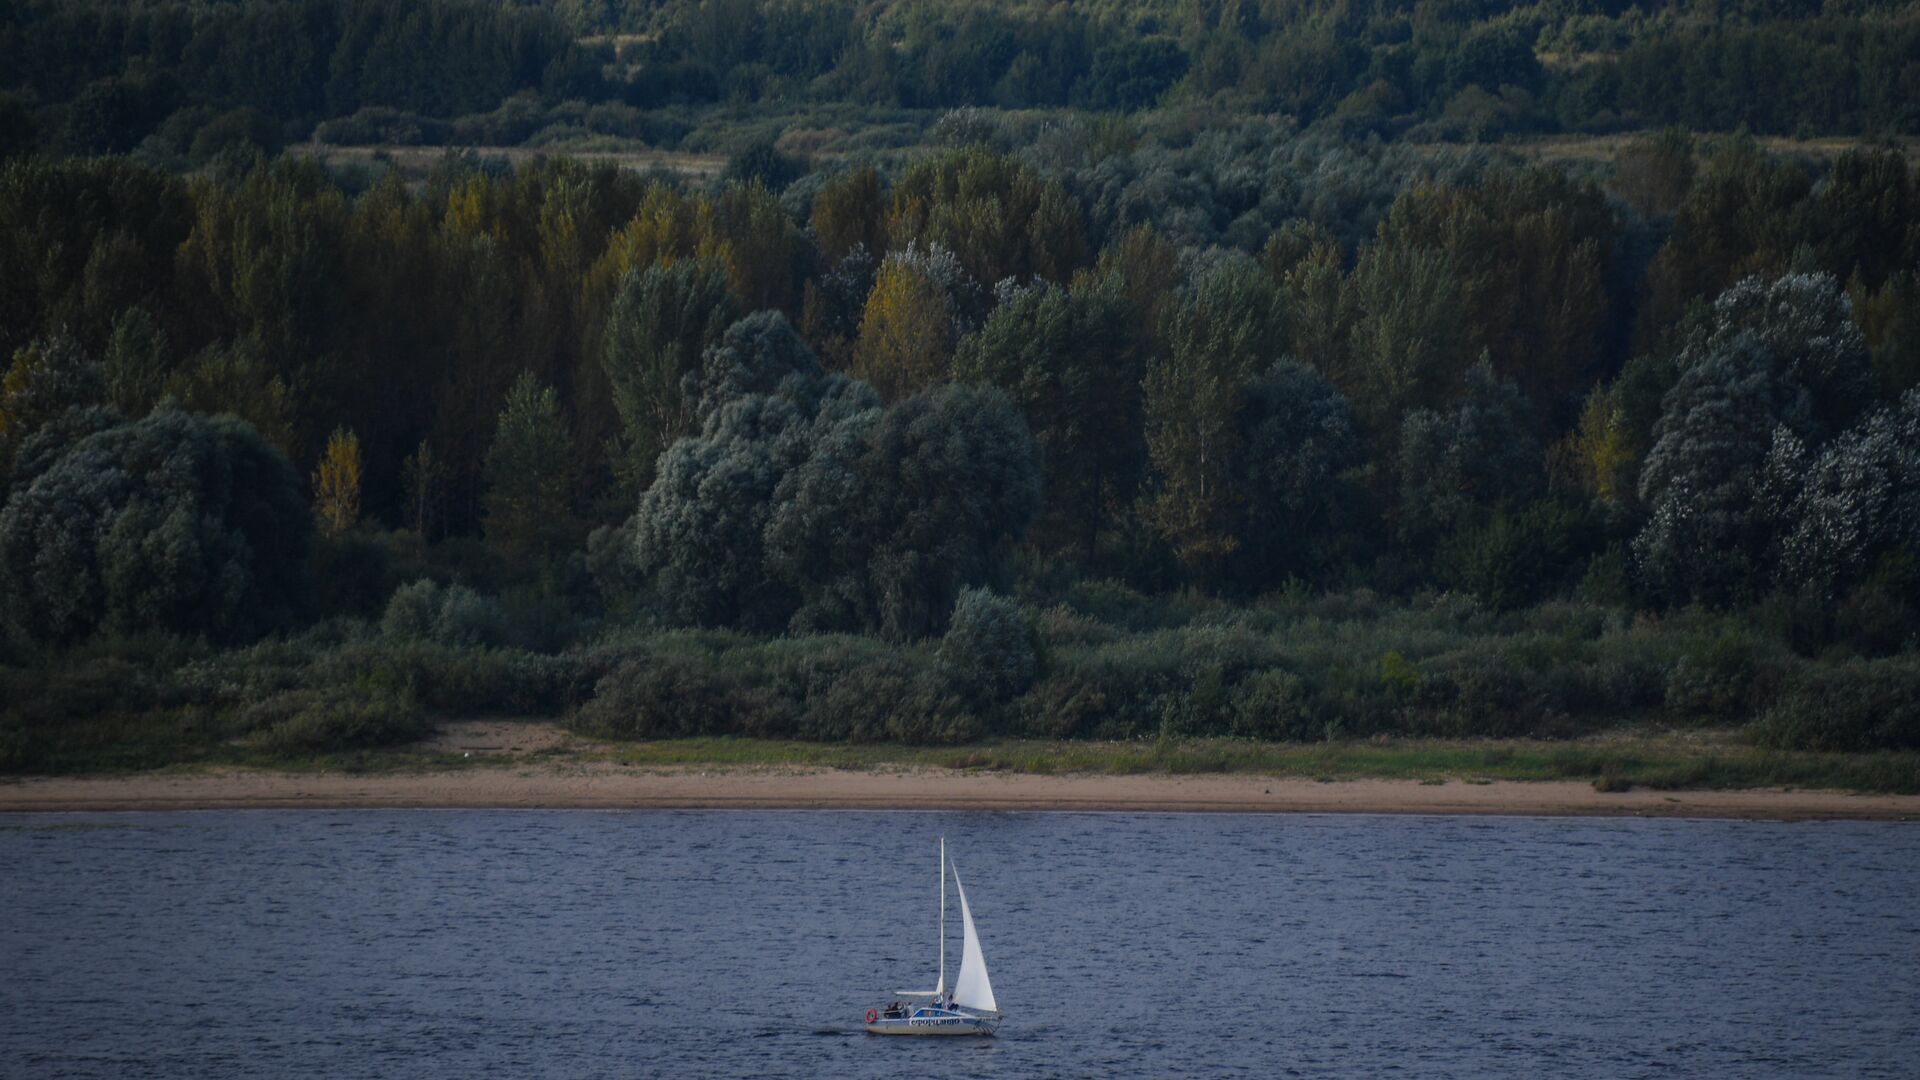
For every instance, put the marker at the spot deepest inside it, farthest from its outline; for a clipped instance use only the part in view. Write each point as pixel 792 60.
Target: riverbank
pixel 610 785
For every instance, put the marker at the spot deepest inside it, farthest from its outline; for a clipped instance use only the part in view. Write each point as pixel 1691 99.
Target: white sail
pixel 970 988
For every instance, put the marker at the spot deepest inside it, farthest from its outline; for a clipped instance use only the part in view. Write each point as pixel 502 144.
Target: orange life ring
pixel 872 1015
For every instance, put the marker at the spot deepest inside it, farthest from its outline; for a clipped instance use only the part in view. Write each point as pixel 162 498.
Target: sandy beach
pixel 610 786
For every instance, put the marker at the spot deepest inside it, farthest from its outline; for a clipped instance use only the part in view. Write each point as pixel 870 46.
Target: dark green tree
pixel 1470 457
pixel 180 523
pixel 1067 359
pixel 530 474
pixel 663 319
pixel 1222 331
pixel 1294 476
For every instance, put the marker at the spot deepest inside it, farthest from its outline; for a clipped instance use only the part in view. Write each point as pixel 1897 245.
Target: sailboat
pixel 969 1008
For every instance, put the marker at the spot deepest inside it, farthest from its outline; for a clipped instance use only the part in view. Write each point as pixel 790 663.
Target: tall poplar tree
pixel 336 483
pixel 662 320
pixel 530 473
pixel 1222 333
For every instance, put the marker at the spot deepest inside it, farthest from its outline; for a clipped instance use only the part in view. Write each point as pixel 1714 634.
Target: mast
pixel 941 986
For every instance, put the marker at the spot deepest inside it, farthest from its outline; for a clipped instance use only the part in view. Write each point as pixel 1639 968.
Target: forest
pixel 1163 371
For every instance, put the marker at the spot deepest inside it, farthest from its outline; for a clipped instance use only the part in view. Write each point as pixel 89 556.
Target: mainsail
pixel 970 988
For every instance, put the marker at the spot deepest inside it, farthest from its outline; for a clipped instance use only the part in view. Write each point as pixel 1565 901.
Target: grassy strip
pixel 193 739
pixel 1614 763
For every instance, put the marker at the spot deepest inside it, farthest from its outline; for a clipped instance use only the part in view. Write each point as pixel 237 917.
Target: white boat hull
pixel 942 1024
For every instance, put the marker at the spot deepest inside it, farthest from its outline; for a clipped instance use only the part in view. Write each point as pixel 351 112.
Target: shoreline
pixel 610 786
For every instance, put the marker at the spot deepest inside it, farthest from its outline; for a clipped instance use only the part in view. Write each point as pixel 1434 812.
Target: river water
pixel 457 944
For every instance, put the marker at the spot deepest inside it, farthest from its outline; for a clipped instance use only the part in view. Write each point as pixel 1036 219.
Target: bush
pixel 1514 559
pixel 445 681
pixel 1063 706
pixel 412 611
pixel 1482 694
pixel 468 619
pixel 884 698
pixel 1860 706
pixel 1276 705
pixel 1729 679
pixel 50 695
pixel 340 718
pixel 359 572
pixel 1113 603
pixel 670 697
pixel 455 615
pixel 1876 621
pixel 1137 682
pixel 764 162
pixel 538 619
pixel 990 652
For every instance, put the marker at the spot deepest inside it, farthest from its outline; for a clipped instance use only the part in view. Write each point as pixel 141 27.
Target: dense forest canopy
pixel 1228 319
pixel 1501 338
pixel 188 77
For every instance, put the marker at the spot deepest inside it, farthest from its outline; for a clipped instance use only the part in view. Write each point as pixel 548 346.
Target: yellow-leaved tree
pixel 336 483
pixel 906 333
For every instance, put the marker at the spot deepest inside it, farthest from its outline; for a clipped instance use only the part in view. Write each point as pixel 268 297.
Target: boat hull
pixel 935 1025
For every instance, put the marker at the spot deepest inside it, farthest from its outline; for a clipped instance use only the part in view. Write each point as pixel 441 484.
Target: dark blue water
pixel 572 944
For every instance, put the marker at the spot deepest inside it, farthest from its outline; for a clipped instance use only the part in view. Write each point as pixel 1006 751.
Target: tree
pixel 907 330
pixel 663 319
pixel 45 379
pixel 1889 320
pixel 1319 319
pixel 1221 331
pixel 1066 359
pixel 1738 219
pixel 1868 209
pixel 1856 503
pixel 1600 449
pixel 1147 268
pixel 1712 526
pixel 697 536
pixel 530 474
pixel 423 488
pixel 988 650
pixel 763 162
pixel 1406 334
pixel 1525 255
pixel 336 483
pixel 1654 172
pixel 763 247
pixel 834 306
pixel 180 523
pixel 137 362
pixel 261 264
pixel 850 211
pixel 758 355
pixel 1293 474
pixel 82 240
pixel 1802 326
pixel 1130 75
pixel 803 505
pixel 998 217
pixel 1761 380
pixel 1474 456
pixel 232 378
pixel 894 513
